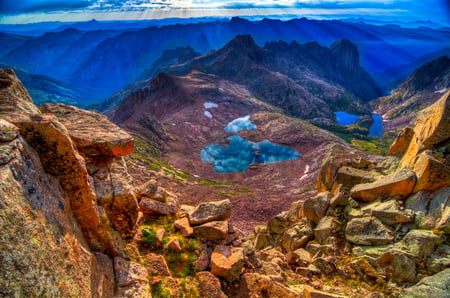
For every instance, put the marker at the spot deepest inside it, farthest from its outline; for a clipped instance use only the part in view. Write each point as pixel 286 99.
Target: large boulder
pixel 156 265
pixel 431 173
pixel 210 211
pixel 327 226
pixel 368 231
pixel 402 141
pixel 421 243
pixel 209 285
pixel 316 207
pixel 152 207
pixel 92 133
pixel 389 212
pixel 214 231
pixel 431 286
pixel 397 266
pixel 131 279
pixel 335 159
pixel 297 236
pixel 349 177
pixel 258 285
pixel 227 262
pixel 400 183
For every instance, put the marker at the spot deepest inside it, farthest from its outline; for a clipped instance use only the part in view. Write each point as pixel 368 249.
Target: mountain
pixel 421 89
pixel 307 81
pixel 108 60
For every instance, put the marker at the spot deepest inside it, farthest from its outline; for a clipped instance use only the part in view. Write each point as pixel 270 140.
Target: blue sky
pixel 27 11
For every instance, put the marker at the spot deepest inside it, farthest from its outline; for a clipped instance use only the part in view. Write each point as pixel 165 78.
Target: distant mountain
pixel 307 81
pixel 421 89
pixel 111 59
pixel 9 42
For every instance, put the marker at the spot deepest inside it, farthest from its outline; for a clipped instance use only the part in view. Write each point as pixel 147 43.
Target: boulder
pixel 431 173
pixel 400 183
pixel 327 226
pixel 397 266
pixel 92 133
pixel 210 286
pixel 183 226
pixel 312 293
pixel 368 231
pixel 227 262
pixel 431 286
pixel 432 123
pixel 156 265
pixel 174 245
pixel 202 262
pixel 214 231
pixel 402 141
pixel 335 159
pixel 278 224
pixel 302 257
pixel 210 211
pixel 389 212
pixel 151 207
pixel 438 216
pixel 325 265
pixel 131 279
pixel 349 177
pixel 257 285
pixel 107 270
pixel 316 207
pixel 8 131
pixel 297 236
pixel 421 243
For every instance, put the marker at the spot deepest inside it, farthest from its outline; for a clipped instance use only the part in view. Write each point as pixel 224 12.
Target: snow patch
pixel 209 105
pixel 240 124
pixel 207 114
pixel 306 169
pixel 441 91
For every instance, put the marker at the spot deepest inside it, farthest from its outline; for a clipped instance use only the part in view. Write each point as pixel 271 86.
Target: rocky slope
pixel 421 89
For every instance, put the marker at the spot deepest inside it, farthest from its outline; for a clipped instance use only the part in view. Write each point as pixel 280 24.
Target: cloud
pixel 23 6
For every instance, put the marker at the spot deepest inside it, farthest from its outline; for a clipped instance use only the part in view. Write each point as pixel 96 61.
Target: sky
pixel 30 11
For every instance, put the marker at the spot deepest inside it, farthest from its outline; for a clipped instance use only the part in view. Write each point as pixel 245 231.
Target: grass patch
pixel 210 182
pixel 374 145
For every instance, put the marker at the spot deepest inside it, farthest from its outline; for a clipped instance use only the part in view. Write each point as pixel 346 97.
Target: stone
pixel 431 286
pixel 339 199
pixel 324 265
pixel 227 262
pixel 92 133
pixel 432 123
pixel 210 211
pixel 431 173
pixel 397 266
pixel 368 231
pixel 174 245
pixel 261 241
pixel 183 226
pixel 8 131
pixel 160 235
pixel 148 190
pixel 296 236
pixel 402 141
pixel 202 262
pixel 348 177
pixel 129 272
pixel 388 212
pixel 268 255
pixel 313 293
pixel 107 270
pixel 151 207
pixel 400 183
pixel 327 226
pixel 417 203
pixel 214 231
pixel 438 216
pixel 257 285
pixel 316 207
pixel 136 290
pixel 421 242
pixel 278 224
pixel 156 265
pixel 296 211
pixel 303 257
pixel 332 162
pixel 210 286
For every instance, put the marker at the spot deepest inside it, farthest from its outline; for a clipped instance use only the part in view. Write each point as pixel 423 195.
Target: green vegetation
pixel 374 145
pixel 210 182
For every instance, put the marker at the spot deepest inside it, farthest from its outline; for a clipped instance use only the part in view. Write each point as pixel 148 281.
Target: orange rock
pixel 402 141
pixel 410 156
pixel 209 285
pixel 182 224
pixel 227 262
pixel 400 183
pixel 92 133
pixel 331 164
pixel 312 293
pixel 214 230
pixel 431 173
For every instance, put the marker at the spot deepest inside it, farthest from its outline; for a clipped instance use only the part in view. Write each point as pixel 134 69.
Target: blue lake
pixel 375 130
pixel 240 153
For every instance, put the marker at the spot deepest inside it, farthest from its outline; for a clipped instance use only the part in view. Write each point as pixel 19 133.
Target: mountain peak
pixel 346 53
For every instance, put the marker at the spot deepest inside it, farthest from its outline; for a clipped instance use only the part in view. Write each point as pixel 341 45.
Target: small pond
pixel 375 130
pixel 240 153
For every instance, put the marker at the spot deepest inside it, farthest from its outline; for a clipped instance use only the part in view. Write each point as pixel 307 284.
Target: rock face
pixel 56 201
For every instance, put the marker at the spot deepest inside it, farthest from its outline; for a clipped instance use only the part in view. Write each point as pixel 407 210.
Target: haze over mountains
pixel 106 60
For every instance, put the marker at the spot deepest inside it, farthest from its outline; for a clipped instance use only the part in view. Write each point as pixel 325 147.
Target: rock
pixel 421 242
pixel 156 265
pixel 368 231
pixel 315 208
pixel 270 268
pixel 227 262
pixel 402 141
pixel 397 266
pixel 209 285
pixel 400 183
pixel 312 293
pixel 432 123
pixel 151 190
pixel 107 270
pixel 417 203
pixel 268 255
pixel 160 235
pixel 327 226
pixel 8 131
pixel 296 236
pixel 257 285
pixel 278 224
pixel 214 231
pixel 92 133
pixel 129 272
pixel 431 286
pixel 210 211
pixel 431 173
pixel 261 241
pixel 348 177
pixel 296 211
pixel 183 226
pixel 339 199
pixel 151 207
pixel 174 245
pixel 388 212
pixel 303 257
pixel 202 262
pixel 330 165
pixel 324 265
